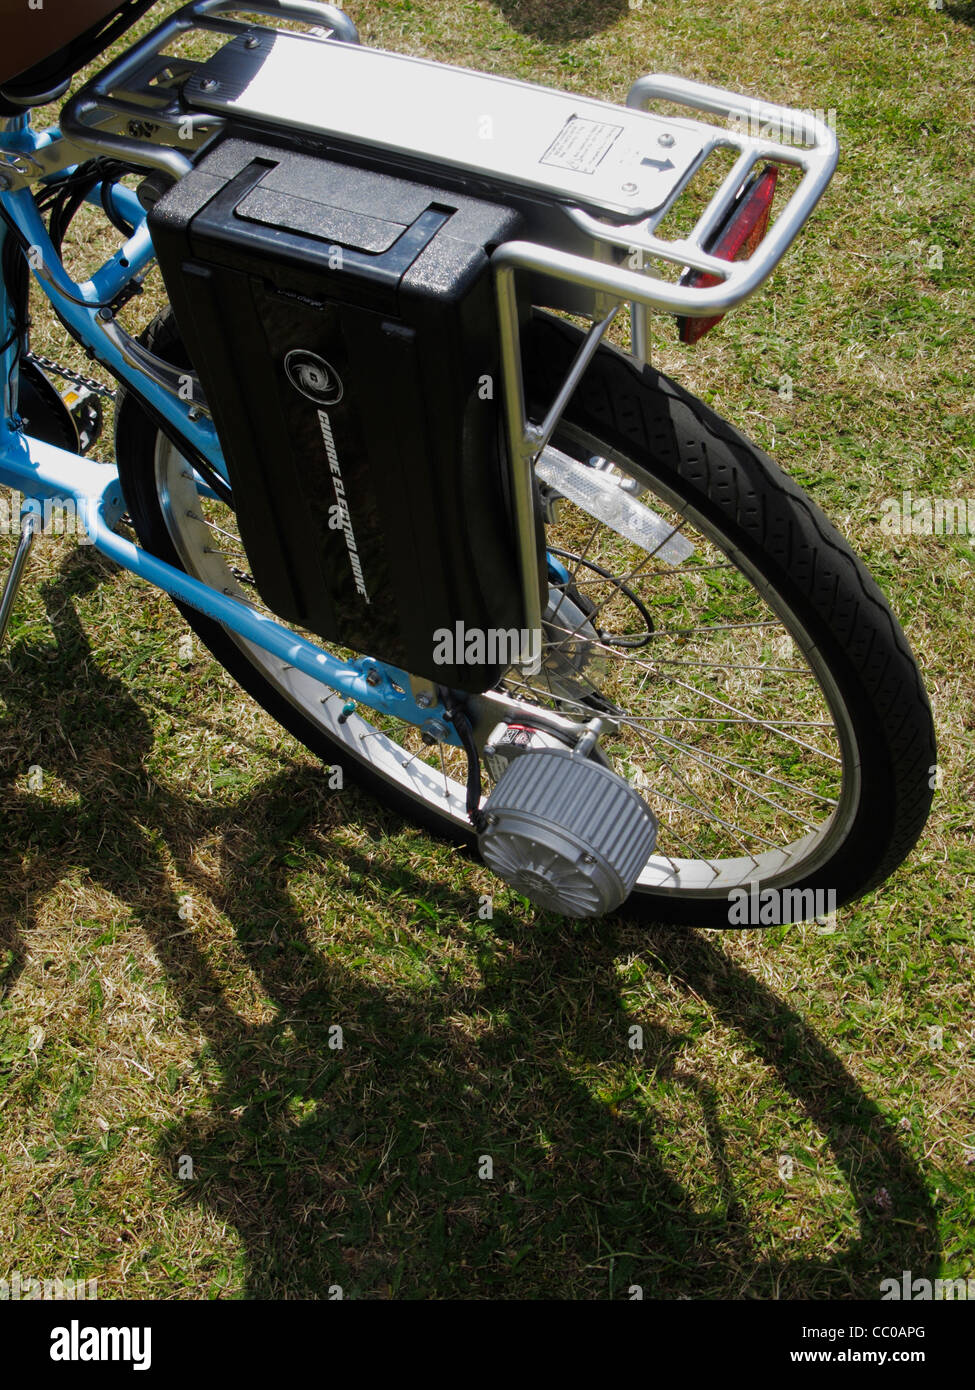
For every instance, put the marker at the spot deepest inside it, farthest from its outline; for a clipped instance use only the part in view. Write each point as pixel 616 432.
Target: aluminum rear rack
pixel 593 181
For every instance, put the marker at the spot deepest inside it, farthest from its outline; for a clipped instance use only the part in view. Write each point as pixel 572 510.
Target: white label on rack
pixel 580 145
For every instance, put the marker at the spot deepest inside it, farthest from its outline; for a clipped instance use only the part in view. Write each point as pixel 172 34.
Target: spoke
pixel 685 571
pixel 713 627
pixel 697 758
pixel 624 655
pixel 694 810
pixel 627 577
pixel 214 527
pixel 713 814
pixel 768 724
pixel 548 681
pixel 697 859
pixel 771 725
pixel 733 666
pixel 753 771
pixel 727 719
pixel 636 722
pixel 577 705
pixel 575 574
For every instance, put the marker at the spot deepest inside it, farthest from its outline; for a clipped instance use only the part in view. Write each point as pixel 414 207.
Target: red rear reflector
pixel 743 229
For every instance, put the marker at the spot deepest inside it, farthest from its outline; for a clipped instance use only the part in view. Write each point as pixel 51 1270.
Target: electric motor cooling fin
pixel 566 832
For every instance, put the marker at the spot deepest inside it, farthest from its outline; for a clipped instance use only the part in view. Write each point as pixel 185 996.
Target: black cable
pixel 63 199
pixel 192 454
pixel 64 209
pixel 608 638
pixel 26 247
pixel 114 216
pixel 465 731
pixel 207 472
pixel 189 451
pixel 72 192
pixel 17 279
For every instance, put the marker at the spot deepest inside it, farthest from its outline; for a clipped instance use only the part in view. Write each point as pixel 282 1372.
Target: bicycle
pixel 442 533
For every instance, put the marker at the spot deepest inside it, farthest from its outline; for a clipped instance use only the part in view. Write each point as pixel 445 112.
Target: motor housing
pixel 567 832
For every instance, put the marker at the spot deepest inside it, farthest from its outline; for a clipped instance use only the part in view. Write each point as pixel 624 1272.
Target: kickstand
pixel 28 526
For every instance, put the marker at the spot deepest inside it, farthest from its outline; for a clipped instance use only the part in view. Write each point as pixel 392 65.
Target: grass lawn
pixel 188 912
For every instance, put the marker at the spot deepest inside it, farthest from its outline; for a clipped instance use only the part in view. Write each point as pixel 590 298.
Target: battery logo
pixel 339 485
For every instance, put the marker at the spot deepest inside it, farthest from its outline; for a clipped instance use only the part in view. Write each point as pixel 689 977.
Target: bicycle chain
pixel 69 374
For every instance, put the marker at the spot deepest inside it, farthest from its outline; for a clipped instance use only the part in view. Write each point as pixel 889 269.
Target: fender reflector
pixel 735 240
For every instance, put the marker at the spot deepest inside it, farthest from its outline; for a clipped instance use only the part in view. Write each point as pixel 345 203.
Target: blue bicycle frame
pixel 42 472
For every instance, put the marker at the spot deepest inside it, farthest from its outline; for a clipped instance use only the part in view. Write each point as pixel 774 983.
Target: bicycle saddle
pixel 43 49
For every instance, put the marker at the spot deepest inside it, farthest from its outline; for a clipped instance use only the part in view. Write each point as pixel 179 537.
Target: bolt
pixel 252 41
pixel 194 413
pixel 666 140
pixel 435 731
pixel 629 188
pixel 424 700
pixel 209 84
pixel 372 676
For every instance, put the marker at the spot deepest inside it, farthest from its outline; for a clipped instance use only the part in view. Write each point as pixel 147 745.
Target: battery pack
pixel 342 325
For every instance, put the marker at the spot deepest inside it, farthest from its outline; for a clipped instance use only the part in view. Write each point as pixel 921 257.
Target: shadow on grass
pixel 359 1167
pixel 563 22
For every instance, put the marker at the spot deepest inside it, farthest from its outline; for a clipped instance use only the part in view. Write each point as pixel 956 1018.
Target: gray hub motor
pixel 566 832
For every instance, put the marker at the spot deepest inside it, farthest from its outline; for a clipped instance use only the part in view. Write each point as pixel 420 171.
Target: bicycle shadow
pixel 363 1166
pixel 566 21
pixel 66 718
pixel 511 1097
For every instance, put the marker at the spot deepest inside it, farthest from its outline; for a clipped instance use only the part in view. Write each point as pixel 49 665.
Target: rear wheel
pixel 753 682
